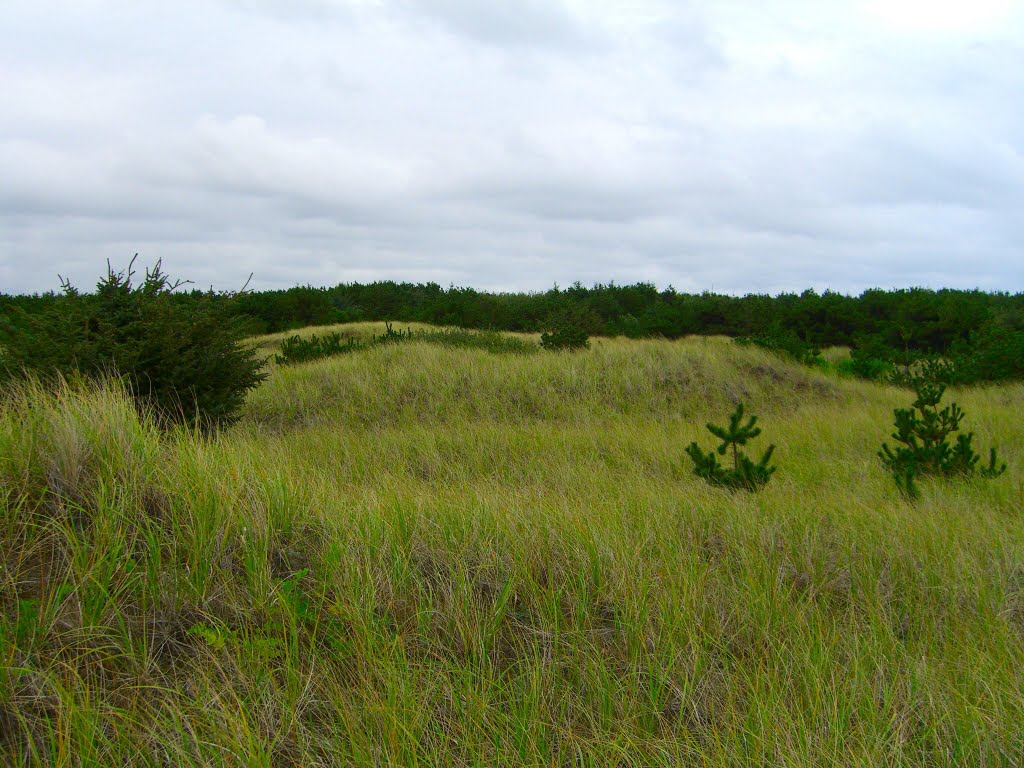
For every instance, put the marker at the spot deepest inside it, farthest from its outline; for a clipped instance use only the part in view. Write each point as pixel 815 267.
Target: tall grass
pixel 298 349
pixel 432 556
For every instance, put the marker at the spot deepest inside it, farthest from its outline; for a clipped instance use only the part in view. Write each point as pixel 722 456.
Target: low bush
pixel 296 349
pixel 865 367
pixel 568 337
pixel 184 358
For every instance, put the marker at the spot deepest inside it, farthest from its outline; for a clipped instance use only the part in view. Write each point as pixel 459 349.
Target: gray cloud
pixel 520 24
pixel 510 146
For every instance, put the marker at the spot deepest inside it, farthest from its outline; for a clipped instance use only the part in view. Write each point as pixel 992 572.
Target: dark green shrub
pixel 296 349
pixel 744 474
pixel 927 370
pixel 627 326
pixel 568 337
pixel 391 336
pixel 183 355
pixel 873 357
pixel 868 368
pixel 923 432
pixel 871 360
pixel 787 344
pixel 995 353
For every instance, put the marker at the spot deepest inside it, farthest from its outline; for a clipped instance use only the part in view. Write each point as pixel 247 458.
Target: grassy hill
pixel 417 555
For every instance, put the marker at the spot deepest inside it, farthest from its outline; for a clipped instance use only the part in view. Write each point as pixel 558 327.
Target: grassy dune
pixel 426 556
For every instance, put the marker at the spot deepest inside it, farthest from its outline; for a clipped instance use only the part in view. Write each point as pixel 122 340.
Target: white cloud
pixel 948 15
pixel 511 145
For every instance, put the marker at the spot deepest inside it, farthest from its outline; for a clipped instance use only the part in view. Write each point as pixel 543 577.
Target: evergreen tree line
pixel 983 331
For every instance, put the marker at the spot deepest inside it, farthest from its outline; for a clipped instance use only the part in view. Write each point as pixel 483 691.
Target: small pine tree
pixel 745 474
pixel 391 336
pixel 924 431
pixel 296 349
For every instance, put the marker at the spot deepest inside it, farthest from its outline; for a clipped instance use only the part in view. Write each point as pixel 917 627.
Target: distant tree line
pixel 898 326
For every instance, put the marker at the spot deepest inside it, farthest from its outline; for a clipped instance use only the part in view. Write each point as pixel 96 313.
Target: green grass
pixel 422 555
pixel 303 349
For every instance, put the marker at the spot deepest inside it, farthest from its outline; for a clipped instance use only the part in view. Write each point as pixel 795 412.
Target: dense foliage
pixel 992 353
pixel 183 356
pixel 744 474
pixel 923 432
pixel 786 343
pixel 885 329
pixel 568 337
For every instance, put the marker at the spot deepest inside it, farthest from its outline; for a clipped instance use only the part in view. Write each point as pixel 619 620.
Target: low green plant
pixel 294 599
pixel 568 337
pixel 862 366
pixel 744 474
pixel 296 349
pixel 923 432
pixel 215 636
pixel 391 336
pixel 871 358
pixel 926 370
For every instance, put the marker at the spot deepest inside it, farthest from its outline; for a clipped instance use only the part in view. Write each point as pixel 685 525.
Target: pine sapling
pixel 744 474
pixel 924 433
pixel 391 336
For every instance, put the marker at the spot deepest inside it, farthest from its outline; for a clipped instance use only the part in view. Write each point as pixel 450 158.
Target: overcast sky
pixel 722 145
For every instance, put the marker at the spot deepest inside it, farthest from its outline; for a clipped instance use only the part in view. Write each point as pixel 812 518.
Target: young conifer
pixel 924 431
pixel 745 474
